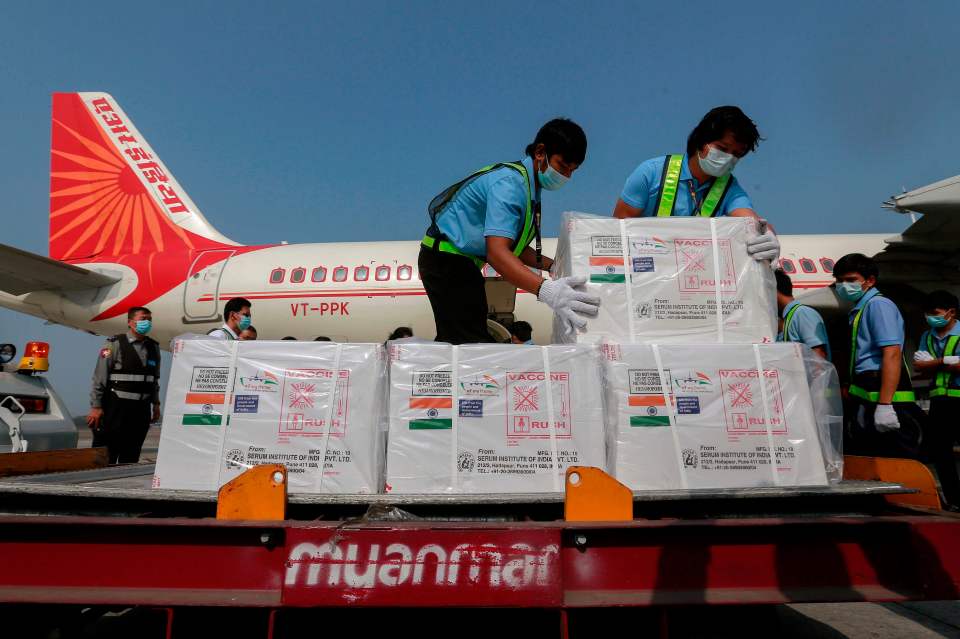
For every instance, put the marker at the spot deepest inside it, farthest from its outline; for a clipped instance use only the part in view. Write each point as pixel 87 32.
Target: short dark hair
pixel 400 332
pixel 251 328
pixel 940 299
pixel 715 125
pixel 133 310
pixel 856 263
pixel 784 283
pixel 563 137
pixel 288 337
pixel 321 338
pixel 235 305
pixel 521 330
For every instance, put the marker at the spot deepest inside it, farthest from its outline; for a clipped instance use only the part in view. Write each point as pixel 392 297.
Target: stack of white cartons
pixel 657 279
pixel 234 405
pixel 707 416
pixel 492 418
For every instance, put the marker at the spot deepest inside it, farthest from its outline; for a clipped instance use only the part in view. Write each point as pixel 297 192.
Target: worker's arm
pixel 99 385
pixel 890 367
pixel 743 213
pixel 623 210
pixel 501 258
pixel 529 257
pixel 820 350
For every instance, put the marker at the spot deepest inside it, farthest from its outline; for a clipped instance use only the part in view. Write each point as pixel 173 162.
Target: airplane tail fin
pixel 110 194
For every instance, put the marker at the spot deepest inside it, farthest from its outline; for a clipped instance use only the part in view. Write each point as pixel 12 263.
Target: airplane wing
pixel 23 272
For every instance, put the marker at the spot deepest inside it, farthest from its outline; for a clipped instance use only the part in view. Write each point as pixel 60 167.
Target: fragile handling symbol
pixel 693 260
pixel 741 396
pixel 300 395
pixel 525 398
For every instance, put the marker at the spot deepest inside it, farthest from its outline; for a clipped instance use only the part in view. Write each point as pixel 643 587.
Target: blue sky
pixel 312 121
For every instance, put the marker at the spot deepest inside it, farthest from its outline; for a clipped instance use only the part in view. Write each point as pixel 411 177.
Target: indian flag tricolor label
pixel 654 411
pixel 607 270
pixel 435 413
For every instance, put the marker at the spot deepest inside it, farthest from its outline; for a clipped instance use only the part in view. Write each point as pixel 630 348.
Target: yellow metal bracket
pixel 260 493
pixel 593 495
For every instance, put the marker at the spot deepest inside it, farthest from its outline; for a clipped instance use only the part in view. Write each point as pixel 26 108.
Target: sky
pixel 327 122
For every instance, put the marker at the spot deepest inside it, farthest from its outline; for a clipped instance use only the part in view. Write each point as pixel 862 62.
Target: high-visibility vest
pixel 941 386
pixel 531 221
pixel 670 182
pixel 129 377
pixel 788 320
pixel 904 392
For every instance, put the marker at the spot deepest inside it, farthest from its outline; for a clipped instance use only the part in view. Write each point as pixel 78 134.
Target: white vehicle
pixel 124 232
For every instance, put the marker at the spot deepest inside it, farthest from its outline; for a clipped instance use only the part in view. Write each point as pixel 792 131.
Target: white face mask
pixel 717 163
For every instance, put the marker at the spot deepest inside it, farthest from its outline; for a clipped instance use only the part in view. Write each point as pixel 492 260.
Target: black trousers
pixel 457 295
pixel 942 431
pixel 865 439
pixel 123 428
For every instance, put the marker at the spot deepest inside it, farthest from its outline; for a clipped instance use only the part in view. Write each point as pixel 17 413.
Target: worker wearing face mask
pixel 236 319
pixel 938 358
pixel 700 182
pixel 881 414
pixel 493 216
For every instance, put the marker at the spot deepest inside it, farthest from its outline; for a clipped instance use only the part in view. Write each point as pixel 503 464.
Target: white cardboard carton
pixel 499 437
pixel 662 288
pixel 233 405
pixel 699 417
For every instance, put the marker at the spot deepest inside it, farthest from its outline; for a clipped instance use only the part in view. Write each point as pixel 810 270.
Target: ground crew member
pixel 492 216
pixel 125 396
pixel 881 413
pixel 938 356
pixel 800 323
pixel 236 319
pixel 699 182
pixel 521 332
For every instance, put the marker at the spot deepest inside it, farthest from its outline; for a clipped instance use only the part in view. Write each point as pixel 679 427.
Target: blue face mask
pixel 244 322
pixel 850 291
pixel 551 179
pixel 143 326
pixel 937 321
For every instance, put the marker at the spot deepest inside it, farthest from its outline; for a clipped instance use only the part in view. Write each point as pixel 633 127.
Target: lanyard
pixel 693 196
pixel 536 230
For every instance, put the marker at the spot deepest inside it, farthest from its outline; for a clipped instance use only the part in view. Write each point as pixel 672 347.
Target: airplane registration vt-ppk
pixel 123 232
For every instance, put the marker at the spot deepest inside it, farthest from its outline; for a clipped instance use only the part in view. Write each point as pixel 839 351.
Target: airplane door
pixel 202 289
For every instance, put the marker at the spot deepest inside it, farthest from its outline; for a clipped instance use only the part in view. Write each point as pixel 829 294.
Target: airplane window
pixel 277 275
pixel 361 273
pixel 404 272
pixel 807 265
pixel 319 274
pixel 297 275
pixel 788 266
pixel 827 264
pixel 340 274
pixel 382 273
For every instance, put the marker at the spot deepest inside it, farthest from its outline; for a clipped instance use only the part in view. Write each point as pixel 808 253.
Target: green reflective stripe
pixel 787 320
pixel 945 392
pixel 714 196
pixel 870 396
pixel 526 235
pixel 942 382
pixel 447 247
pixel 671 180
pixel 853 339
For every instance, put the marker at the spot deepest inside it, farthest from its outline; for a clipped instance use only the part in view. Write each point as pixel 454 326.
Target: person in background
pixel 521 332
pixel 937 357
pixel 881 411
pixel 400 332
pixel 318 338
pixel 125 396
pixel 288 338
pixel 800 323
pixel 236 319
pixel 250 333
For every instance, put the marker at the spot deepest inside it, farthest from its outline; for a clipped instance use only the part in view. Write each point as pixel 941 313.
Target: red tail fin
pixel 110 195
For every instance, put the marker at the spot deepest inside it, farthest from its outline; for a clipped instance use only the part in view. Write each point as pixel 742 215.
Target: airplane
pixel 123 232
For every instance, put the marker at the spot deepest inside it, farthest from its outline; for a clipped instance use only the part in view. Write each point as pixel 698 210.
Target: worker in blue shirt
pixel 937 358
pixel 881 412
pixel 700 183
pixel 492 216
pixel 800 323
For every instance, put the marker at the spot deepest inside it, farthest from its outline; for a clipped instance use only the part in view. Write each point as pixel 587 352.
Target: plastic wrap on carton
pixel 663 288
pixel 701 418
pixel 486 427
pixel 231 405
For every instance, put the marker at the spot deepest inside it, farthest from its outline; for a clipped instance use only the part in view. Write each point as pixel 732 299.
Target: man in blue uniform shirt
pixel 937 358
pixel 699 182
pixel 800 323
pixel 881 412
pixel 493 216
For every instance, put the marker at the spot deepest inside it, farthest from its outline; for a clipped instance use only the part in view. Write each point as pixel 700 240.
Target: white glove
pixel 569 304
pixel 765 246
pixel 885 418
pixel 923 356
pixel 951 360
